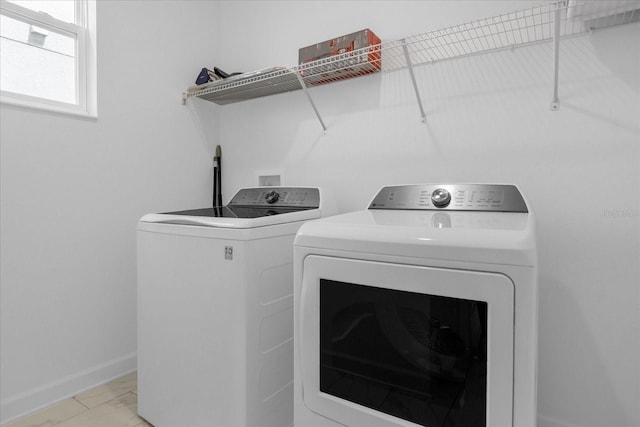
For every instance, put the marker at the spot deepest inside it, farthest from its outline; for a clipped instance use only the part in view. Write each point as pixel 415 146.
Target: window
pixel 47 55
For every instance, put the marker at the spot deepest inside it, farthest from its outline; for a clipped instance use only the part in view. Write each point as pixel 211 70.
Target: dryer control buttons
pixel 440 198
pixel 452 197
pixel 272 197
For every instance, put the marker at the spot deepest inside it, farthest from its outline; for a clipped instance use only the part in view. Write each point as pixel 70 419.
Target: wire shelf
pixel 506 31
pixel 248 86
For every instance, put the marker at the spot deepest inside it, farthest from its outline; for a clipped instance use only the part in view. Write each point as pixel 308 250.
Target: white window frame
pixel 86 73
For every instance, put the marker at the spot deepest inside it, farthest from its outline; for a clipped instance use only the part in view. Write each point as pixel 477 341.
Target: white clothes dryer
pixel 215 310
pixel 419 311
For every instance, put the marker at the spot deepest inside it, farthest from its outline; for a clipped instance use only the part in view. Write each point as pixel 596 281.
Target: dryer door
pixel 390 344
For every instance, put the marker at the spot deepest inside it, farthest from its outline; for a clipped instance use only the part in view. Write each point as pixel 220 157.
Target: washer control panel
pixel 293 197
pixel 456 197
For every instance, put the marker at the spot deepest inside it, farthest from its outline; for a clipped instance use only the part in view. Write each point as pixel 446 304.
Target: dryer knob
pixel 440 198
pixel 272 197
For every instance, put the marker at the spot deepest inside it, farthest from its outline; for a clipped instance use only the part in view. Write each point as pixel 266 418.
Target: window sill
pixel 46 105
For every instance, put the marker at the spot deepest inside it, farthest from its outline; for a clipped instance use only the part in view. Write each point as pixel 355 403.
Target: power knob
pixel 440 198
pixel 272 197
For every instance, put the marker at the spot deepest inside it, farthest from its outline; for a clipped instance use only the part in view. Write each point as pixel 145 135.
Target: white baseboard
pixel 47 394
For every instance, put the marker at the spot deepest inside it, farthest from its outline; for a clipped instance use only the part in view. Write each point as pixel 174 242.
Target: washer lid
pixel 250 207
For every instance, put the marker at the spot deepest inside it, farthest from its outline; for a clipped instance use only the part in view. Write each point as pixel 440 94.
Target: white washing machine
pixel 419 311
pixel 215 310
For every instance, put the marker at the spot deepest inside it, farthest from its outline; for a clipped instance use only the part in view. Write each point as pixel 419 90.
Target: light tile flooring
pixel 113 404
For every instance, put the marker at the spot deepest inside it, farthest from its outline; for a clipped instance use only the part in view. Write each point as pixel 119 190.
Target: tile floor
pixel 112 404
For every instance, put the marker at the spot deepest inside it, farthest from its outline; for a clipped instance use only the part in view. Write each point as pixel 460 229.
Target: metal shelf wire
pixel 514 29
pixel 548 22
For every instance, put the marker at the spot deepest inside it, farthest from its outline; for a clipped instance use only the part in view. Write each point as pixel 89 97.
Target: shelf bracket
pixel 306 92
pixel 555 104
pixel 413 79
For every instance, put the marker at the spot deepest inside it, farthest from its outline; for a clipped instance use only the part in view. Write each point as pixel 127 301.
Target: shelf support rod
pixel 555 104
pixel 413 79
pixel 306 92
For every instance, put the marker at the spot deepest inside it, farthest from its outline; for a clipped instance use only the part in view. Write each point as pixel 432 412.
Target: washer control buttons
pixel 272 197
pixel 440 198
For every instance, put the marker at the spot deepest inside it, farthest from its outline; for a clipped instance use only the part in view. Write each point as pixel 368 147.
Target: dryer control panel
pixel 455 197
pixel 292 197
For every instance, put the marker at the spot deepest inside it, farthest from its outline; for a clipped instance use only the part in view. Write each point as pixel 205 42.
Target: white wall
pixel 488 120
pixel 72 191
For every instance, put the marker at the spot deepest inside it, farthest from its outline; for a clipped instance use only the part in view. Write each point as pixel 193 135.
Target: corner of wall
pixel 47 394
